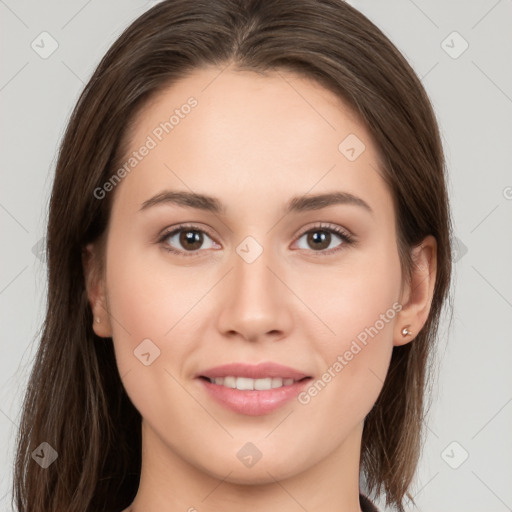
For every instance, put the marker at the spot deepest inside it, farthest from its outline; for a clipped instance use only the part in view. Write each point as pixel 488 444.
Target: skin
pixel 253 141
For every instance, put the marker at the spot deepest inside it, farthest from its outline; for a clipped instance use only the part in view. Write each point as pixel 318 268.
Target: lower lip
pixel 253 402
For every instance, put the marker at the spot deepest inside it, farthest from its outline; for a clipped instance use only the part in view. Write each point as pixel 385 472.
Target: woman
pixel 249 251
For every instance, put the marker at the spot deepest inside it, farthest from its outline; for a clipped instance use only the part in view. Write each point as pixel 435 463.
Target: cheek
pixel 359 304
pixel 151 311
pixel 353 295
pixel 149 302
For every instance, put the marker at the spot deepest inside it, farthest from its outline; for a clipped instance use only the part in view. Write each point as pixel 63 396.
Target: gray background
pixel 472 93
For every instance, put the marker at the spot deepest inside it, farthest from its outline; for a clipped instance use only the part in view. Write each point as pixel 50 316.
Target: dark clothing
pixel 366 504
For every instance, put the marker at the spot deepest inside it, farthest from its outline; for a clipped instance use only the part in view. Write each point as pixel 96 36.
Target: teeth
pixel 244 383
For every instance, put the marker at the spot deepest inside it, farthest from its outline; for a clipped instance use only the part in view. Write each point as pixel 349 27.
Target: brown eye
pixel 320 239
pixel 184 239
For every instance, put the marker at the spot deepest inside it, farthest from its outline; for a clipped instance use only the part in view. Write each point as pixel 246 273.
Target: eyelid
pixel 182 226
pixel 328 226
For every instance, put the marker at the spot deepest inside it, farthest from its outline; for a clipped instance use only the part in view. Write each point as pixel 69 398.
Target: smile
pixel 246 383
pixel 252 397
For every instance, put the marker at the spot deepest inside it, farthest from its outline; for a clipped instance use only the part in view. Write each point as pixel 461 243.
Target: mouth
pixel 252 397
pixel 248 384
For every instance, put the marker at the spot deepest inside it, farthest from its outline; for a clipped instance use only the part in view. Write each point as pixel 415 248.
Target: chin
pixel 262 473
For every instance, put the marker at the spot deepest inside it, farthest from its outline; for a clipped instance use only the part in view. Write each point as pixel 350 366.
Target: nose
pixel 255 303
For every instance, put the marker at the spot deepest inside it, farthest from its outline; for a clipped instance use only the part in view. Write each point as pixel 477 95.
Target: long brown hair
pixel 75 399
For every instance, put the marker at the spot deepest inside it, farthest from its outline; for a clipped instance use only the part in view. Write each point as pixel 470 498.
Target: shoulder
pixel 366 504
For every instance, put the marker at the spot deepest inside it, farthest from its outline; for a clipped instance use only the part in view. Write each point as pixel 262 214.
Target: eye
pixel 320 238
pixel 188 238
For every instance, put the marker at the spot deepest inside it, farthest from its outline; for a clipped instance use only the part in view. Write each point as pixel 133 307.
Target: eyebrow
pixel 295 205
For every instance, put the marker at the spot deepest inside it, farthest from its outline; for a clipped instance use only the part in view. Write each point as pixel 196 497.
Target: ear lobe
pixel 95 289
pixel 420 291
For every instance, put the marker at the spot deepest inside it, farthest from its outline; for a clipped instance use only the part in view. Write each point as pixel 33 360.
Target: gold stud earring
pixel 98 319
pixel 406 332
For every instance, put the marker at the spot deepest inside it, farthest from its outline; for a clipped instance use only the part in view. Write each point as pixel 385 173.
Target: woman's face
pixel 257 275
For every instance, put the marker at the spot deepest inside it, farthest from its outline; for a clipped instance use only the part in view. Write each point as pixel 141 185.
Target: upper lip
pixel 257 371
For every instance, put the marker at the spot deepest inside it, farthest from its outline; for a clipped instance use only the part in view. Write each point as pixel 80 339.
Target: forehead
pixel 250 139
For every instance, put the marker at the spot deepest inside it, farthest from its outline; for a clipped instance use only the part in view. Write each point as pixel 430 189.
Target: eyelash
pixel 347 238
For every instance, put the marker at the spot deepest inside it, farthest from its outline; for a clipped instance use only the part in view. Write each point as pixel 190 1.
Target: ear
pixel 418 292
pixel 95 287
